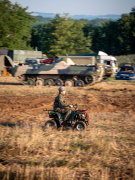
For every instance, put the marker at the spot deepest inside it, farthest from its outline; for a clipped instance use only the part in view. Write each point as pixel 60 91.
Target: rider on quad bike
pixel 66 118
pixel 60 104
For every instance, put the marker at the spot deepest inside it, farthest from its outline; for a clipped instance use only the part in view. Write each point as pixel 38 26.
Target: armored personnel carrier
pixel 63 72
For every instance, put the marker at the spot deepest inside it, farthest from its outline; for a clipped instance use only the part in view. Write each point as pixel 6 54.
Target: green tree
pixel 105 37
pixel 98 21
pixel 88 29
pixel 62 36
pixel 108 38
pixel 15 26
pixel 127 35
pixel 37 36
pixel 114 37
pixel 133 11
pixel 97 39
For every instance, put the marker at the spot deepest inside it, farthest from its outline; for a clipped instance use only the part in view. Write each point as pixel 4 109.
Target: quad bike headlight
pixel 83 116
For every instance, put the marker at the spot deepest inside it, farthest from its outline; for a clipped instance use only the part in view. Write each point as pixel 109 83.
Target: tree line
pixel 64 35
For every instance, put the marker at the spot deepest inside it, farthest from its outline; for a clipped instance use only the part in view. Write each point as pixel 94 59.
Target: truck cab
pixel 109 61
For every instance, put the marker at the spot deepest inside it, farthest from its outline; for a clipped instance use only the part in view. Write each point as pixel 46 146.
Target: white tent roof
pixel 65 60
pixel 70 62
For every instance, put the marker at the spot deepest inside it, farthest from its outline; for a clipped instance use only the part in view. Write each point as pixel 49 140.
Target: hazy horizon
pixel 78 7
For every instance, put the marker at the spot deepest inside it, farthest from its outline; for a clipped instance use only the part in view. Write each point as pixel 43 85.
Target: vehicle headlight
pixel 132 77
pixel 117 76
pixel 83 116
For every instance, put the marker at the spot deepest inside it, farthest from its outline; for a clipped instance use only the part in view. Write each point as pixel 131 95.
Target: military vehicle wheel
pixel 49 82
pixel 51 124
pixel 39 82
pixel 31 82
pixel 79 83
pixel 69 83
pixel 89 79
pixel 58 82
pixel 79 126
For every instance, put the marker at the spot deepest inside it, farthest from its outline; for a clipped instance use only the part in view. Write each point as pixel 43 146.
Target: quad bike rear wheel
pixel 80 126
pixel 50 124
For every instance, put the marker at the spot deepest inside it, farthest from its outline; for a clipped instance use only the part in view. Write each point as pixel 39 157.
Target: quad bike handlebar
pixel 75 106
pixel 45 109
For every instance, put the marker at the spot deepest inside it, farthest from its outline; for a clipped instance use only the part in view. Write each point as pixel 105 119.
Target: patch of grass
pixel 110 79
pixel 79 145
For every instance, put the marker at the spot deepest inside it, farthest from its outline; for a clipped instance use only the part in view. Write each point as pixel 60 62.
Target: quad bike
pixel 78 119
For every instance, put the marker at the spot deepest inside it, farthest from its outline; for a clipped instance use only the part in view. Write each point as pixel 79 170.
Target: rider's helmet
pixel 61 89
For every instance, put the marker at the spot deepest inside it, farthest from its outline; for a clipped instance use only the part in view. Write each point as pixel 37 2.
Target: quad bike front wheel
pixel 79 126
pixel 51 124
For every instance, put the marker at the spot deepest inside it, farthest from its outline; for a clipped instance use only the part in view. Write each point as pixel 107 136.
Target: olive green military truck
pixel 11 58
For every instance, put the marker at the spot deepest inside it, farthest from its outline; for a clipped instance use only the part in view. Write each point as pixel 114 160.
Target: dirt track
pixel 18 108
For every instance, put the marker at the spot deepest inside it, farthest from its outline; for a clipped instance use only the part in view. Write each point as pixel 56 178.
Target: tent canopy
pixel 5 61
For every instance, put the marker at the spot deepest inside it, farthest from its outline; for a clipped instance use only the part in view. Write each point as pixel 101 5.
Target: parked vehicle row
pixel 126 72
pixel 33 61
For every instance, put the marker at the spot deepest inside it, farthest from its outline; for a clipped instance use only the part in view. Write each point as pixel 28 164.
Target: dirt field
pixel 19 101
pixel 108 143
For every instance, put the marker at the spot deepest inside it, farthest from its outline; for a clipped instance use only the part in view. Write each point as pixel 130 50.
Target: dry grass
pixel 106 150
pixel 10 86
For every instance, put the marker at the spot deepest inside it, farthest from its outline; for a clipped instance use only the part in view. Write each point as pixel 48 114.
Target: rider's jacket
pixel 60 102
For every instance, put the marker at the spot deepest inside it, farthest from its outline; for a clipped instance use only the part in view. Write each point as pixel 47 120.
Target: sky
pixel 78 7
